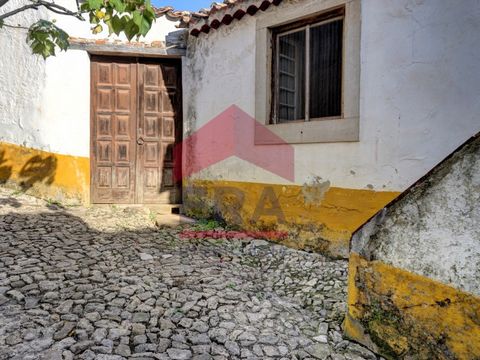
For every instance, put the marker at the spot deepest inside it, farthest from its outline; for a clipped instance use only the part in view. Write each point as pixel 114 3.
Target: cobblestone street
pixel 105 283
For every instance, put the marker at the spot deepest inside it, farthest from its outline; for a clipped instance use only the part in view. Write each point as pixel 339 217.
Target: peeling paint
pixel 434 229
pixel 314 192
pixel 414 267
pixel 324 225
pixel 401 315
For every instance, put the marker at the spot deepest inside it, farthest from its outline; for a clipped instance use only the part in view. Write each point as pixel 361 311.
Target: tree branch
pixel 48 5
pixel 16 11
pixel 16 26
pixel 59 9
pixel 3 2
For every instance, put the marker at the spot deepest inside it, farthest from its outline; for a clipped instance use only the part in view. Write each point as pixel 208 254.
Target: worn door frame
pixel 178 120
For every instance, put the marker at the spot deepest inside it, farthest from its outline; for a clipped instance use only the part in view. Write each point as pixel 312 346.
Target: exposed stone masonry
pixel 105 283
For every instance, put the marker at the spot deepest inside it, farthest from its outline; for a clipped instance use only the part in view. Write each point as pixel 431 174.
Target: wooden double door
pixel 136 124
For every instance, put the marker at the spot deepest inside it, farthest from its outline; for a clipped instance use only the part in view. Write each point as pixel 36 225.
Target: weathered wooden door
pixel 135 125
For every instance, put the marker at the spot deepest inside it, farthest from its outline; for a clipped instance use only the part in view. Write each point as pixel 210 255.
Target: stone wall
pixel 414 278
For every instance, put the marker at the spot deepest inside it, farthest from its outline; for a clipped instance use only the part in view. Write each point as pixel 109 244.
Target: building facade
pixel 46 107
pixel 315 144
pixel 408 97
pixel 299 120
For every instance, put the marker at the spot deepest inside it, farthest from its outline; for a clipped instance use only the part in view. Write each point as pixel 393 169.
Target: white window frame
pixel 277 70
pixel 344 128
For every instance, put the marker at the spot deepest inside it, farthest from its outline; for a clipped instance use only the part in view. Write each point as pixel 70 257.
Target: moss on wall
pixel 402 315
pixel 314 217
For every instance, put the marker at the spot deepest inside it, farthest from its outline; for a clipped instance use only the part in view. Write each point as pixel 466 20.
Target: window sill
pixel 315 131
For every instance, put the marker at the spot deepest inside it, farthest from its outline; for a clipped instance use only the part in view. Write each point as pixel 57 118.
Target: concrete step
pixel 166 209
pixel 173 220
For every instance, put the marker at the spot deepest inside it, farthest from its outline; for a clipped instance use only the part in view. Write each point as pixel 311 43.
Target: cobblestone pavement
pixel 104 283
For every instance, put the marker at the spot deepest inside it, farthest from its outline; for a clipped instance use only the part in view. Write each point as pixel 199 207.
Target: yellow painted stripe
pixel 412 314
pixel 46 174
pixel 318 212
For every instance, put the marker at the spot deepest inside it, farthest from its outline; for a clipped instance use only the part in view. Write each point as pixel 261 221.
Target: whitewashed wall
pixel 434 229
pixel 22 81
pixel 45 104
pixel 420 96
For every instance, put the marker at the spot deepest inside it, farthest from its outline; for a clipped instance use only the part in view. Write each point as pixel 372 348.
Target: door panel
pixel 114 116
pixel 158 87
pixel 136 122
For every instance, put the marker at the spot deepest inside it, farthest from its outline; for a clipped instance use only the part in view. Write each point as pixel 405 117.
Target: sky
pixel 191 5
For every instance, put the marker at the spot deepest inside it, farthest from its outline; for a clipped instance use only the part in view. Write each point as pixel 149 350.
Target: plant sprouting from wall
pixel 133 18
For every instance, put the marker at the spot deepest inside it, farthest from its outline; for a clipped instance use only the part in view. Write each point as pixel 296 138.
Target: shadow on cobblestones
pixel 107 284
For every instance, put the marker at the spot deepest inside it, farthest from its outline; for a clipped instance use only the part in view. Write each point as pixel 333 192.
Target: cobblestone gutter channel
pixel 104 283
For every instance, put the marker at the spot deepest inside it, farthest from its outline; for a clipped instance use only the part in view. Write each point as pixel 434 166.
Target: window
pixel 307 69
pixel 307 72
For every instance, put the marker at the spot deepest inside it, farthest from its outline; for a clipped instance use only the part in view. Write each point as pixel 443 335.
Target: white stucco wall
pixel 22 81
pixel 419 96
pixel 45 104
pixel 434 230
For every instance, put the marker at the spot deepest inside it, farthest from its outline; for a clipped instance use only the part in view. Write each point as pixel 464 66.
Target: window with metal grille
pixel 307 69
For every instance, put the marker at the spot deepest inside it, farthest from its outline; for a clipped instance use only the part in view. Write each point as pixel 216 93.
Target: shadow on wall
pixel 5 170
pixel 37 169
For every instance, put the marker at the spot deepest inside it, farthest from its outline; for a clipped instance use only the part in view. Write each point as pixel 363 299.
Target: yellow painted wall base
pixel 316 217
pixel 402 315
pixel 52 176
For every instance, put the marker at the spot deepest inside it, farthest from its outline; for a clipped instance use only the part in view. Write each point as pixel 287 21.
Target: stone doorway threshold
pixel 165 215
pixel 170 215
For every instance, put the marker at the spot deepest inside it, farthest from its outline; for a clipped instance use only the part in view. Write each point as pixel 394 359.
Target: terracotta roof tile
pixel 174 15
pixel 217 15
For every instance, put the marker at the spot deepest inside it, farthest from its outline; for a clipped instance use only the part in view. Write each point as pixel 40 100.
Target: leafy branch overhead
pixel 134 18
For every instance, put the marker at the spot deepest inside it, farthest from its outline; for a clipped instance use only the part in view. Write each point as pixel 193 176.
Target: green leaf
pixel 1 24
pixel 137 17
pixel 62 44
pixel 117 24
pixel 43 37
pixel 93 18
pixel 37 47
pixel 149 13
pixel 149 10
pixel 118 5
pixel 130 6
pixel 62 40
pixel 131 29
pixel 49 49
pixel 40 36
pixel 95 4
pixel 144 23
pixel 110 27
pixel 145 26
